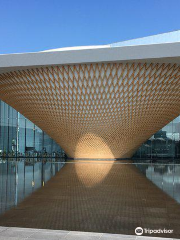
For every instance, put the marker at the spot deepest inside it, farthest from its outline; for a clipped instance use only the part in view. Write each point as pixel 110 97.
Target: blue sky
pixel 35 25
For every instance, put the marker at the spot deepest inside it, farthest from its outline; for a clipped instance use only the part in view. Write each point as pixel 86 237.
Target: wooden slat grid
pixel 104 110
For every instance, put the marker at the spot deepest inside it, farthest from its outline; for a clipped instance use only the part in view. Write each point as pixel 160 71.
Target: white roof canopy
pixel 159 48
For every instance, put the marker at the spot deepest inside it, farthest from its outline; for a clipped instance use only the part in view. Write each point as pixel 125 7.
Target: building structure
pixel 100 101
pixel 19 137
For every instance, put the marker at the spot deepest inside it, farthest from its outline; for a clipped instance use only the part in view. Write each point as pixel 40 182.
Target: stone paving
pixel 30 234
pixel 101 197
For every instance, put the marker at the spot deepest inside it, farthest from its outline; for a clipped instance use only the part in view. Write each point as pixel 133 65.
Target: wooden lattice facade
pixel 100 110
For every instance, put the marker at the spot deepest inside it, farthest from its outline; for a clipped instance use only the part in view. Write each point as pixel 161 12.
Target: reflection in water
pixel 91 178
pixel 164 176
pixel 18 179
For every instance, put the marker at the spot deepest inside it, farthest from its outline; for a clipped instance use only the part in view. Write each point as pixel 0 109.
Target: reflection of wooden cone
pixel 92 173
pixel 104 110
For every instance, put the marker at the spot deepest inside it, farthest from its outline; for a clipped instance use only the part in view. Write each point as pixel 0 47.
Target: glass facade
pixel 163 144
pixel 19 137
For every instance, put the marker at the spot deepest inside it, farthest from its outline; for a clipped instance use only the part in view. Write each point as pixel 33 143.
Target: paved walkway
pixel 102 197
pixel 30 234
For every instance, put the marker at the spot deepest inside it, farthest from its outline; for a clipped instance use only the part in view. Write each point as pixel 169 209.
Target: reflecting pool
pixel 18 179
pixel 90 195
pixel 165 176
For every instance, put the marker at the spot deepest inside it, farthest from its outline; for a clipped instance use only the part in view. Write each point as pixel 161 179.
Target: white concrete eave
pixel 166 52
